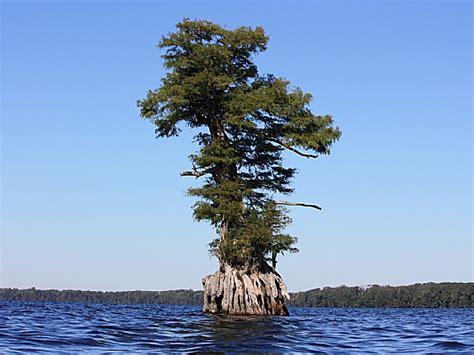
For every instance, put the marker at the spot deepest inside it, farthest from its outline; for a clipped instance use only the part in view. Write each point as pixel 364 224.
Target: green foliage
pixel 124 297
pixel 244 122
pixel 428 295
pixel 258 240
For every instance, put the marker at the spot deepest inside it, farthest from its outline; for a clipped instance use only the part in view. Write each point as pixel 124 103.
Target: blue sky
pixel 90 200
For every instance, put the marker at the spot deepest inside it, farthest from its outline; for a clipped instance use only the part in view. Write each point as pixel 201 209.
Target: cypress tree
pixel 244 121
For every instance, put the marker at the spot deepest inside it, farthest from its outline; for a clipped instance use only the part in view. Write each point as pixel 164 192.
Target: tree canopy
pixel 244 121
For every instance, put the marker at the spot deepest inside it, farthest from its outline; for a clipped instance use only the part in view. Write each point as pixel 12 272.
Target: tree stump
pixel 238 292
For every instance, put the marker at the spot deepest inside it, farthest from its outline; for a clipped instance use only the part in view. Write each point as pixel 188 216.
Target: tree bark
pixel 239 292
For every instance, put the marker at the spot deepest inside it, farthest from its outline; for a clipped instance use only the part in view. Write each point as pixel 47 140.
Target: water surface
pixel 73 327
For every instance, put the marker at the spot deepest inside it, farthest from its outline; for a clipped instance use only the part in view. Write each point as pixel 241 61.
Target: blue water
pixel 73 327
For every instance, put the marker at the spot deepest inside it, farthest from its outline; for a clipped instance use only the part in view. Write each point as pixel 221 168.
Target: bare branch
pixel 287 203
pixel 196 173
pixel 294 150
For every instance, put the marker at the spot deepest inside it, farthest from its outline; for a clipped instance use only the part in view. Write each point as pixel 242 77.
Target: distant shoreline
pixel 426 295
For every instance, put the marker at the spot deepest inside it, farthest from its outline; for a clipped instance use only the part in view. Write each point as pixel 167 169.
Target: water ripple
pixel 74 327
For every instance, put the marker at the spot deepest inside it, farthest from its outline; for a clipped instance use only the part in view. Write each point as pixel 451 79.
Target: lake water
pixel 73 327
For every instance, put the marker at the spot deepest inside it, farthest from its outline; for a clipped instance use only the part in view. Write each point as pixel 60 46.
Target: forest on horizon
pixel 427 295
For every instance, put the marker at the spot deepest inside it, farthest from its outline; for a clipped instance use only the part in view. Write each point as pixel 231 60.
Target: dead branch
pixel 197 173
pixel 287 203
pixel 294 150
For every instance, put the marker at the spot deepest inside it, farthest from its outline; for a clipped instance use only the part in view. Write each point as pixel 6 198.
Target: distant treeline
pixel 124 297
pixel 428 295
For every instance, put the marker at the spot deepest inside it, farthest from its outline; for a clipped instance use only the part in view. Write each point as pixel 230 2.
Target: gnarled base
pixel 234 291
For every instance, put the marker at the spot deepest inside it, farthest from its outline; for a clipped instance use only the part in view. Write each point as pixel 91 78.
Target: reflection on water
pixel 35 326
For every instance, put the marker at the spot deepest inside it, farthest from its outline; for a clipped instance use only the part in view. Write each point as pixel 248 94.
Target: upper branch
pixel 287 203
pixel 294 150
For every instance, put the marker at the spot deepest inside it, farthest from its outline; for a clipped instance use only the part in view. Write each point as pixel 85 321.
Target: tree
pixel 243 121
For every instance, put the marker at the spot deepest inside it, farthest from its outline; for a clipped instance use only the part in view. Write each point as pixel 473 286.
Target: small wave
pixel 375 329
pixel 449 345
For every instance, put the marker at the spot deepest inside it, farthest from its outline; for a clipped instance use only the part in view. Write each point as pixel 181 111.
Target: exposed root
pixel 233 291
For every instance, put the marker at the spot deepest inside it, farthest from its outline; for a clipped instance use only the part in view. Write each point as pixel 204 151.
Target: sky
pixel 91 200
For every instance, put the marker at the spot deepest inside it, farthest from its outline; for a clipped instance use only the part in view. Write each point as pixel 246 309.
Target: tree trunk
pixel 238 292
pixel 231 290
